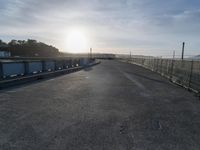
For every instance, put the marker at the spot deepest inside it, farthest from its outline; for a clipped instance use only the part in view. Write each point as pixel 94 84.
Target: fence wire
pixel 183 72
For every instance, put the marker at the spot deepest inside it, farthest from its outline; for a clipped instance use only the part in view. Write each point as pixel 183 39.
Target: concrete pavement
pixel 112 106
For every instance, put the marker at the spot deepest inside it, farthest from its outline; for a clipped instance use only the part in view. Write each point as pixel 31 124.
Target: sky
pixel 144 27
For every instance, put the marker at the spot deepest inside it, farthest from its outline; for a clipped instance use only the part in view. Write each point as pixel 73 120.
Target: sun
pixel 77 41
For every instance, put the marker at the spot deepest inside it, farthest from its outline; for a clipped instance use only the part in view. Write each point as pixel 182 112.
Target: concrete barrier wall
pixel 14 69
pixel 34 67
pixel 183 72
pixel 49 66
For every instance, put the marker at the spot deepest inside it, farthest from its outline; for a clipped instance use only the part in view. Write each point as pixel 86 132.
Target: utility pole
pixel 130 55
pixel 90 53
pixel 183 49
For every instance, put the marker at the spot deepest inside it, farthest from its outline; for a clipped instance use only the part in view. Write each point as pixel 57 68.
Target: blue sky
pixel 149 27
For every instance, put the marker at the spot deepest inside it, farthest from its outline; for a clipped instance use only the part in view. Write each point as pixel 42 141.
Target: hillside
pixel 29 48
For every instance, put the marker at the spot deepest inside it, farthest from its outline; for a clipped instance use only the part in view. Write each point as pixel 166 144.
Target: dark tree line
pixel 29 48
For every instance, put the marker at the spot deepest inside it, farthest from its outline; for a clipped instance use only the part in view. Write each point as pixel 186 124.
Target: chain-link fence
pixel 183 72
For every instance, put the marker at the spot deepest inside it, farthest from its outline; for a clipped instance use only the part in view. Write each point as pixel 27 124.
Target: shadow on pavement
pixel 88 69
pixel 148 78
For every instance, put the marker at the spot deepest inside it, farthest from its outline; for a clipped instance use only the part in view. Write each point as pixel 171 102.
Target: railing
pixel 183 72
pixel 20 68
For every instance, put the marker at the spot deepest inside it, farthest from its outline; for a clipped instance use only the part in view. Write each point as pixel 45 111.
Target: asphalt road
pixel 112 106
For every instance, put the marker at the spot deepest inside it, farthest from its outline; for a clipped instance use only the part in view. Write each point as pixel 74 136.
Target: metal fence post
pixel 191 72
pixel 168 67
pixel 157 69
pixel 154 66
pixel 172 69
pixel 161 65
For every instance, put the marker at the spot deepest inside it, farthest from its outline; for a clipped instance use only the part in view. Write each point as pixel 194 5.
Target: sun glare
pixel 77 41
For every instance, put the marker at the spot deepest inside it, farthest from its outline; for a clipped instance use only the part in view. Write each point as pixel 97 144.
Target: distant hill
pixel 29 48
pixel 195 57
pixel 93 55
pixel 133 56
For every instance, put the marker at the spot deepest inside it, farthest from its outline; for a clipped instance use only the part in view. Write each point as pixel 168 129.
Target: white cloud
pixel 122 24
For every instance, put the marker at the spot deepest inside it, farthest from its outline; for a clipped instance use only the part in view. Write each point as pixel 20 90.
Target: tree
pixel 2 43
pixel 31 42
pixel 30 48
pixel 21 42
pixel 13 42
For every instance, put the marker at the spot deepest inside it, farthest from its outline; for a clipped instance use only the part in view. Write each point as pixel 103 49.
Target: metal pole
pixel 157 64
pixel 172 65
pixel 153 64
pixel 191 72
pixel 161 69
pixel 90 53
pixel 183 49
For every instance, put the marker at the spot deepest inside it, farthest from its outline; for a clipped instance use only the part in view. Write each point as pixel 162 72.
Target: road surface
pixel 112 106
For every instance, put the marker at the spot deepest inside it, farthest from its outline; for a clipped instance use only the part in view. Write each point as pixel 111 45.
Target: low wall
pixel 20 68
pixel 182 72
